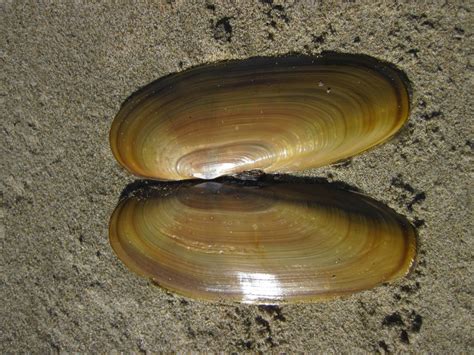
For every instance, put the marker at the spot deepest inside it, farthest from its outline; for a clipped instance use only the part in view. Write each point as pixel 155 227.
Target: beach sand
pixel 66 69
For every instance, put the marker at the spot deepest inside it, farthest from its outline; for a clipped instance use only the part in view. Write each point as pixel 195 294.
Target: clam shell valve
pixel 271 114
pixel 273 243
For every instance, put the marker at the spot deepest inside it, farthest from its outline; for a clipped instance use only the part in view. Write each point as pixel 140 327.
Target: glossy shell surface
pixel 271 114
pixel 274 243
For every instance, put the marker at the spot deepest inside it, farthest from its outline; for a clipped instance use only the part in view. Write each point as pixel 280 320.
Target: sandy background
pixel 66 69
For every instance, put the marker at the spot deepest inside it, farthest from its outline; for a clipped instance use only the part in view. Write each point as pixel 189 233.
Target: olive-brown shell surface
pixel 271 114
pixel 262 244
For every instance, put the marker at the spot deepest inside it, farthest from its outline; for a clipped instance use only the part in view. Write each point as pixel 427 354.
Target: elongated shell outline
pixel 274 243
pixel 280 114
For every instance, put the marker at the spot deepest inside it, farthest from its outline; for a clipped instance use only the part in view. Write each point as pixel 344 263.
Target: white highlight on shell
pixel 216 171
pixel 259 287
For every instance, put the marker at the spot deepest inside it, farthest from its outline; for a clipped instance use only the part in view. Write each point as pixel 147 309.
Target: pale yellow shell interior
pixel 272 244
pixel 271 114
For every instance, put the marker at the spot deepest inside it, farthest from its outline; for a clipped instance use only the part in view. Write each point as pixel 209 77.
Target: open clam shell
pixel 262 244
pixel 271 114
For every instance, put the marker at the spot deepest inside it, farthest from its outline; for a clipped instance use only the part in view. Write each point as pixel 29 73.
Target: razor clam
pixel 281 114
pixel 269 243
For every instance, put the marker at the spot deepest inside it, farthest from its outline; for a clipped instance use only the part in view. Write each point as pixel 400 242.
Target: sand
pixel 66 69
